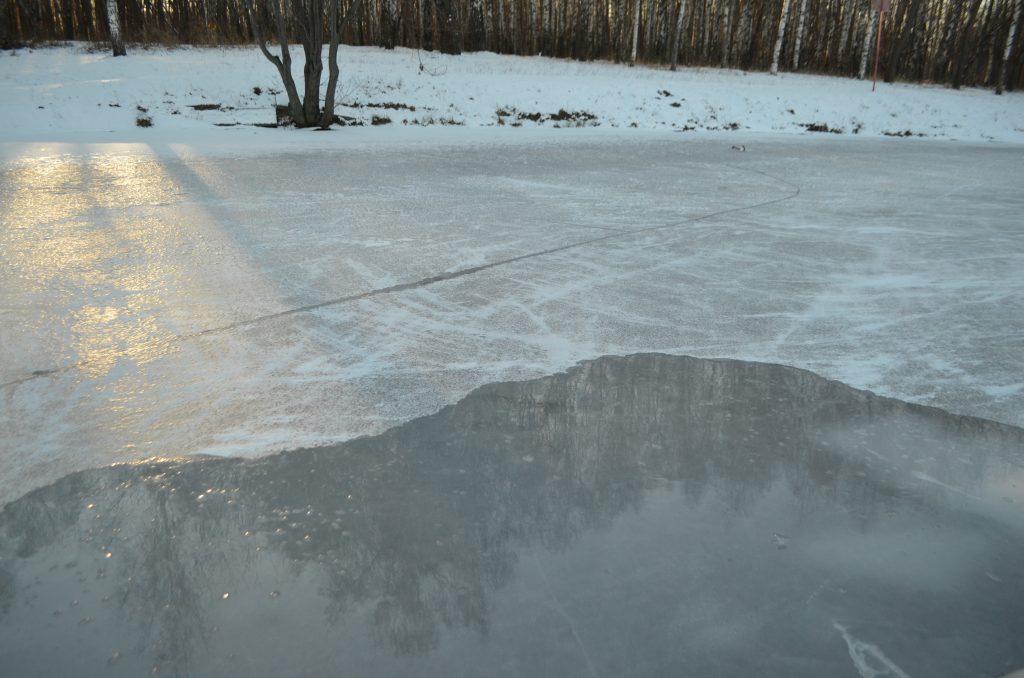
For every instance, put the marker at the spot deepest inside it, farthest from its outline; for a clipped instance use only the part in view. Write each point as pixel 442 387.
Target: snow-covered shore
pixel 74 94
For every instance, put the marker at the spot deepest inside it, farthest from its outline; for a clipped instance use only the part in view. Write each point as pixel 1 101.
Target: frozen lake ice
pixel 160 299
pixel 650 515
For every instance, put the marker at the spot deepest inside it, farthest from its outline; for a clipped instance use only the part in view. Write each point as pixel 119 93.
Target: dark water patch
pixel 648 515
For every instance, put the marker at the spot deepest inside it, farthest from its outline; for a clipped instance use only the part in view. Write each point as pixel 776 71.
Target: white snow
pixel 72 94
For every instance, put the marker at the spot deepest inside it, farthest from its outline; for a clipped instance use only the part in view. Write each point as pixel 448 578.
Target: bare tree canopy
pixel 307 20
pixel 960 42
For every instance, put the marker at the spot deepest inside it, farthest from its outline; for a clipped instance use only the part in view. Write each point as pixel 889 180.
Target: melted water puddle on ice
pixel 648 515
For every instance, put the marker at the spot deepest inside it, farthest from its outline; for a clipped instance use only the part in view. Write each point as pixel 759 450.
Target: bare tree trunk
pixel 206 20
pixel 778 39
pixel 844 37
pixel 313 49
pixel 650 15
pixel 674 44
pixel 705 45
pixel 986 77
pixel 741 44
pixel 636 30
pixel 282 63
pixel 591 30
pixel 419 23
pixel 866 47
pixel 962 56
pixel 799 34
pixel 1003 81
pixel 726 37
pixel 327 114
pixel 114 25
pixel 943 56
pixel 531 27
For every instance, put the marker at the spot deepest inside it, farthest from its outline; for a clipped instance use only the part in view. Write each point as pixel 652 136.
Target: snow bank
pixel 73 94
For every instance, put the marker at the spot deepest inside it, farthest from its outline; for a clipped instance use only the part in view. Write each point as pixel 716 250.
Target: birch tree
pixel 778 39
pixel 1002 81
pixel 114 29
pixel 869 32
pixel 844 37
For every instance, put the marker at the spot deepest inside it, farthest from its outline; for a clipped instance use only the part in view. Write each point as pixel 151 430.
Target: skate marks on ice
pixel 788 188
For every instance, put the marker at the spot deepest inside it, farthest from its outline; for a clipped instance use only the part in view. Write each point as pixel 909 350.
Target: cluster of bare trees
pixel 960 42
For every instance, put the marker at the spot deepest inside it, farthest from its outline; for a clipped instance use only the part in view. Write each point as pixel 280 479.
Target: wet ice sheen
pixel 642 516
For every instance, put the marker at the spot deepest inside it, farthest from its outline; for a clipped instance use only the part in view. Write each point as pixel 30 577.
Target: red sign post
pixel 880 6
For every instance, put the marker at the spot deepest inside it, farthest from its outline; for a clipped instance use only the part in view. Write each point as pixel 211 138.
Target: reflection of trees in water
pixel 162 582
pixel 422 521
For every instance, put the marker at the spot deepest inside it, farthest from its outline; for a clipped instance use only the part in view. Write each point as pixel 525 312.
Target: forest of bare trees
pixel 959 42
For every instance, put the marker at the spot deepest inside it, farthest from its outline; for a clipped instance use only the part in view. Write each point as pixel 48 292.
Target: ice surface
pixel 147 291
pixel 622 519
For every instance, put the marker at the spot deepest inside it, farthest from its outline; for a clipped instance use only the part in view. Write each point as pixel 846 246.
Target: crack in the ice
pixel 443 277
